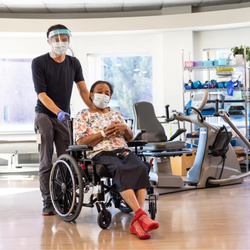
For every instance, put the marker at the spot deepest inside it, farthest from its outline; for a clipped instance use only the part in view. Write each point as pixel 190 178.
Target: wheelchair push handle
pixel 70 129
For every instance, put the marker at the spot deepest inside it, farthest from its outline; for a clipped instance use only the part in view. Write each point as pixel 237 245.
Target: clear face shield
pixel 59 40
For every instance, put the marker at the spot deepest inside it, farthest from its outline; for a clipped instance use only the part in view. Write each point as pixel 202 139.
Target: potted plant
pixel 238 53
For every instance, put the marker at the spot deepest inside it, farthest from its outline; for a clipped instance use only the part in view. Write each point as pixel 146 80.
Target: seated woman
pixel 105 129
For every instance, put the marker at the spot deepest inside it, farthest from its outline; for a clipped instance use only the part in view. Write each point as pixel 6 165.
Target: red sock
pixel 139 212
pixel 146 223
pixel 137 229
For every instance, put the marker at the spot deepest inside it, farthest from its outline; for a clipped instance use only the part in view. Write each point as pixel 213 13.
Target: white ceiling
pixel 97 6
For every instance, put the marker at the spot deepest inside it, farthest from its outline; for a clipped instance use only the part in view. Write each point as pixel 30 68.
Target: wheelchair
pixel 74 175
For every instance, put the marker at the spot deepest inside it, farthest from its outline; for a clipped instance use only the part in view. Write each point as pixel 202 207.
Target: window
pixel 131 76
pixel 18 98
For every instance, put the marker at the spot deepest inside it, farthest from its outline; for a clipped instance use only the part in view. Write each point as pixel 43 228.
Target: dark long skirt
pixel 129 172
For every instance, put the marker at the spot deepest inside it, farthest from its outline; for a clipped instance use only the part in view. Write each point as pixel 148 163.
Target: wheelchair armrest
pixel 139 133
pixel 177 133
pixel 80 148
pixel 138 143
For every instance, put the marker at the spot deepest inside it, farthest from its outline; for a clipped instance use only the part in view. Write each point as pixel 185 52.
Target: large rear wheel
pixel 66 187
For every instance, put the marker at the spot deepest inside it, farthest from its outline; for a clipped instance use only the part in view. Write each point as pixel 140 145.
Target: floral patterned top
pixel 87 123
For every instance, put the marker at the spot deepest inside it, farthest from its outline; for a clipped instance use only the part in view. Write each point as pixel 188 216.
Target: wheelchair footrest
pixel 88 205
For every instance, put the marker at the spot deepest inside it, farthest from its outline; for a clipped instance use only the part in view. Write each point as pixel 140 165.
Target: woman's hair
pixel 111 88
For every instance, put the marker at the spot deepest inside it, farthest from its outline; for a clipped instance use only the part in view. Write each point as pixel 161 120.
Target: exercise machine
pixel 215 163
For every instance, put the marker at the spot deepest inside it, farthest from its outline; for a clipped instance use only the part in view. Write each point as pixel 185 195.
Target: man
pixel 53 76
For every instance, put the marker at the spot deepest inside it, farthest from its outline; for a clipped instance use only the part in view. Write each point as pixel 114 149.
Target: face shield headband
pixel 59 32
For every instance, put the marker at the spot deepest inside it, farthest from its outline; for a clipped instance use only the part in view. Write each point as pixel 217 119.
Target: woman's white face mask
pixel 101 101
pixel 60 48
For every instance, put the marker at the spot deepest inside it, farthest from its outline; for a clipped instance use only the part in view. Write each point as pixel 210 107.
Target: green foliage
pixel 130 85
pixel 240 50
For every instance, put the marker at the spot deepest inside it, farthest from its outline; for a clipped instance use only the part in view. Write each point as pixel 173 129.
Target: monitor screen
pixel 198 97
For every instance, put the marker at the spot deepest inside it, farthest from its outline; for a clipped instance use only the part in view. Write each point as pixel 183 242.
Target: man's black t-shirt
pixel 56 80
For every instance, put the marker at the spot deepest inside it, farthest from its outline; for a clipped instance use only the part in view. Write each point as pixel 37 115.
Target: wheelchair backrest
pixel 144 118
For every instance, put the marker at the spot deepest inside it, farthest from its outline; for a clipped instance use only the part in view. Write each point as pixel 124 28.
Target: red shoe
pixel 137 229
pixel 146 223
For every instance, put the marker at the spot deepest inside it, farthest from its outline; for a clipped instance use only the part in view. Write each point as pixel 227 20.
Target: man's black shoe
pixel 48 209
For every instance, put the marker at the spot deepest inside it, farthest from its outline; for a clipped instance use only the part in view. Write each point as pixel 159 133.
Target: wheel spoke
pixel 57 182
pixel 59 196
pixel 69 182
pixel 69 197
pixel 65 203
pixel 77 190
pixel 68 178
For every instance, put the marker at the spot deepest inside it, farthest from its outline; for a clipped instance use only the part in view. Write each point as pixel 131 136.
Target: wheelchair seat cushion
pixel 129 172
pixel 165 146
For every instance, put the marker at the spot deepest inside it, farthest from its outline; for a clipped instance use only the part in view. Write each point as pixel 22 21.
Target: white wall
pixel 174 43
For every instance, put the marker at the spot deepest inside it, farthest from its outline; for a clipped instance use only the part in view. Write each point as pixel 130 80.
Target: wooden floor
pixel 216 218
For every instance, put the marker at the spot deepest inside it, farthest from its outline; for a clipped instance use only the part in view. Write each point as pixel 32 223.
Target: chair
pixel 158 147
pixel 74 175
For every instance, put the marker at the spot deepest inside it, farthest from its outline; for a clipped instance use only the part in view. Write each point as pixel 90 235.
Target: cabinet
pixel 181 165
pixel 240 99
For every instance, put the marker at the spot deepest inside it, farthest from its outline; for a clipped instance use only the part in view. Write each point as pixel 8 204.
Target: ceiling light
pixel 136 70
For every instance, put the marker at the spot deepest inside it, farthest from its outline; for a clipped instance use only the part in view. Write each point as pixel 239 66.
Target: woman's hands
pixel 116 128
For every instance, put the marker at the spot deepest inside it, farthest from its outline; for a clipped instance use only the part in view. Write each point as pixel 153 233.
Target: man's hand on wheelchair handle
pixel 61 116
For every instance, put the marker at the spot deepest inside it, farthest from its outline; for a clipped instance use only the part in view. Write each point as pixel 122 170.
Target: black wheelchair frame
pixel 73 174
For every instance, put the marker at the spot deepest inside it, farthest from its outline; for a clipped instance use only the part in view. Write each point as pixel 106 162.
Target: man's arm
pixel 48 103
pixel 84 93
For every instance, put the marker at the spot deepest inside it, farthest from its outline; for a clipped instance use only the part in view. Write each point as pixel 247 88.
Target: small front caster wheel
pixel 104 221
pixel 152 210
